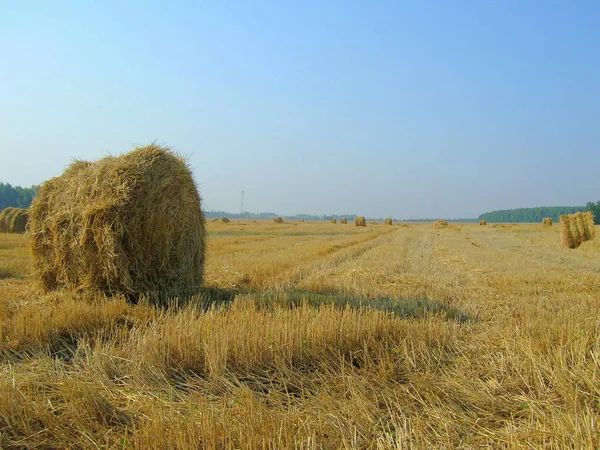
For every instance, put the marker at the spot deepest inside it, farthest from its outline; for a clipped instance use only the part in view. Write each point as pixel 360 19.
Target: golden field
pixel 317 335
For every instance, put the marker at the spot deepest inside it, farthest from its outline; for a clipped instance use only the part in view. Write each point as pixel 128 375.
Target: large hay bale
pixel 129 224
pixel 332 220
pixel 389 221
pixel 17 220
pixel 344 220
pixel 441 223
pixel 225 220
pixel 278 220
pixel 482 222
pixel 547 221
pixel 360 221
pixel 4 219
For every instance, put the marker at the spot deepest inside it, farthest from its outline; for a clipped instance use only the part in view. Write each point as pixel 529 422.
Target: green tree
pixel 594 208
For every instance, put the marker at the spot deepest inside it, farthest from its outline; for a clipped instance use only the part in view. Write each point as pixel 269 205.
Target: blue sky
pixel 404 109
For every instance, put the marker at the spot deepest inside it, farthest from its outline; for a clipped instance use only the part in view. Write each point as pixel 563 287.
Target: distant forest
pixel 531 214
pixel 595 208
pixel 16 196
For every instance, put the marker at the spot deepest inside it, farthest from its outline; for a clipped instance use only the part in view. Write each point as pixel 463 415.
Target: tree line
pixel 595 208
pixel 531 214
pixel 16 196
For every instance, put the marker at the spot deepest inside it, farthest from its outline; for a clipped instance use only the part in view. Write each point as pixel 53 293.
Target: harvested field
pixel 313 336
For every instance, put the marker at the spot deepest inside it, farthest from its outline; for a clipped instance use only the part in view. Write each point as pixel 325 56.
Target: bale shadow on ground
pixel 211 297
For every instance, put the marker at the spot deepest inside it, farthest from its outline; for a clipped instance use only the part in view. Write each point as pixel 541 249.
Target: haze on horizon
pixel 403 109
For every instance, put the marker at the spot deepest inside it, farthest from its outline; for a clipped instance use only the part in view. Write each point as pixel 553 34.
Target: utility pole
pixel 242 202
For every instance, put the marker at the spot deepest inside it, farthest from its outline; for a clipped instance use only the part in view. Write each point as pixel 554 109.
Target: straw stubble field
pixel 317 335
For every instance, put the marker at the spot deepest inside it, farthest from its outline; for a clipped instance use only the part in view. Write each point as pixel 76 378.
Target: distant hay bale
pixel 590 224
pixel 482 222
pixel 215 220
pixel 441 223
pixel 577 228
pixel 567 238
pixel 389 221
pixel 4 219
pixel 278 220
pixel 225 220
pixel 344 220
pixel 17 220
pixel 333 220
pixel 373 223
pixel 547 221
pixel 130 224
pixel 403 225
pixel 360 221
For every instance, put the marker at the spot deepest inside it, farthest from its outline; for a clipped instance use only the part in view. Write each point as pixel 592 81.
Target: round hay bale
pixel 333 220
pixel 360 221
pixel 344 220
pixel 389 221
pixel 4 219
pixel 225 220
pixel 482 222
pixel 129 224
pixel 441 223
pixel 547 221
pixel 278 220
pixel 18 221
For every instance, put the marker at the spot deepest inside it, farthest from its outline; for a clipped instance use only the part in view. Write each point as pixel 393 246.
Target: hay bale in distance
pixel 344 220
pixel 225 220
pixel 129 224
pixel 4 219
pixel 332 220
pixel 360 221
pixel 590 224
pixel 278 220
pixel 389 221
pixel 10 217
pixel 18 221
pixel 547 221
pixel 441 223
pixel 577 228
pixel 566 234
pixel 482 222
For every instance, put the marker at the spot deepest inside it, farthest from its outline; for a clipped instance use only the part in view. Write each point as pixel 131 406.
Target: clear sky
pixel 413 109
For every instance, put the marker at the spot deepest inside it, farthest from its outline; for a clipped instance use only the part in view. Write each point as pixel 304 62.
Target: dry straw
pixel 590 224
pixel 343 220
pixel 333 220
pixel 482 222
pixel 4 219
pixel 128 224
pixel 18 220
pixel 547 221
pixel 360 221
pixel 278 220
pixel 441 223
pixel 577 228
pixel 225 220
pixel 389 221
